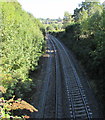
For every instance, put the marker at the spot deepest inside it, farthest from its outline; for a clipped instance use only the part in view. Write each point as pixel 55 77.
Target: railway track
pixel 58 94
pixel 77 104
pixel 51 76
pixel 66 89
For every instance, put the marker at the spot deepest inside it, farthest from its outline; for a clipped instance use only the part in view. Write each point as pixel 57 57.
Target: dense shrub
pixel 21 46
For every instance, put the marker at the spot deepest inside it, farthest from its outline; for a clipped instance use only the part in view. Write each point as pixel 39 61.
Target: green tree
pixel 67 20
pixel 50 28
pixel 21 47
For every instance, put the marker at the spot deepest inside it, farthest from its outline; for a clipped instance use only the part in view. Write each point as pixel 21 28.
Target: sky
pixel 50 8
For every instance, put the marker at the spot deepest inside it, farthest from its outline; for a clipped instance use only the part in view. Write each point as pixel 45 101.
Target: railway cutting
pixel 65 92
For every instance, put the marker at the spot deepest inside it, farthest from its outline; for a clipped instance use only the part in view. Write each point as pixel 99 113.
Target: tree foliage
pixel 7 106
pixel 67 20
pixel 21 46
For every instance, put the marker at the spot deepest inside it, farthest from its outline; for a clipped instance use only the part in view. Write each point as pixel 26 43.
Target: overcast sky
pixel 49 8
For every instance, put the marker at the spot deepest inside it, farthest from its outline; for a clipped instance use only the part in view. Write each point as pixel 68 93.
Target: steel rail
pixel 66 78
pixel 58 109
pixel 76 77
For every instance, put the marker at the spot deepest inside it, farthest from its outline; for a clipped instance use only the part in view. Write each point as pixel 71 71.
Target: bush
pixel 21 47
